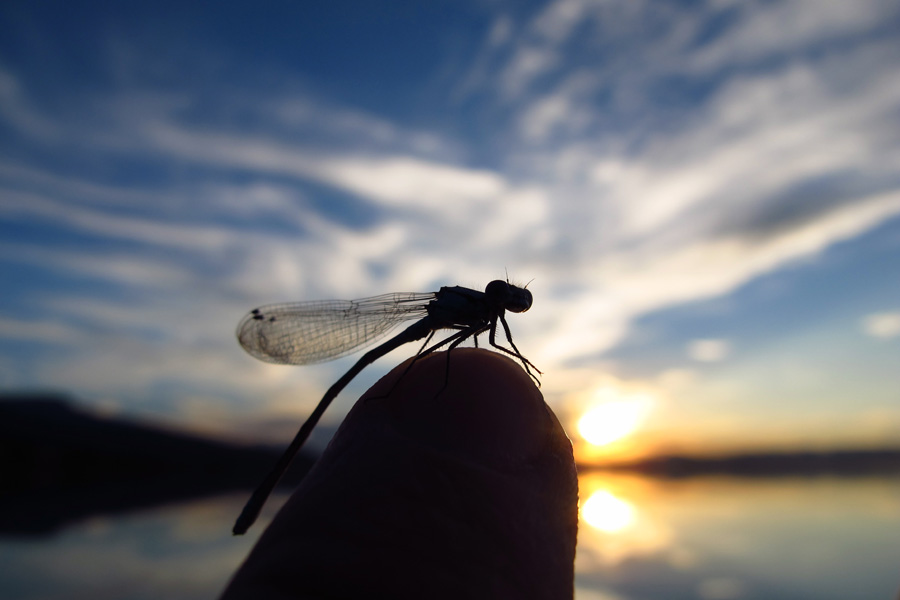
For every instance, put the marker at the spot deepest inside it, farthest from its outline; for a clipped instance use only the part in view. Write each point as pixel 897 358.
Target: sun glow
pixel 610 421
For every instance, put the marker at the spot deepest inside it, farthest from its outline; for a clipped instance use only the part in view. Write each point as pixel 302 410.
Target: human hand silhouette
pixel 463 490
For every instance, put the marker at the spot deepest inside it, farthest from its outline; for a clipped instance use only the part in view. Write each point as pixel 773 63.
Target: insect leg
pixel 470 331
pixel 454 340
pixel 408 367
pixel 515 351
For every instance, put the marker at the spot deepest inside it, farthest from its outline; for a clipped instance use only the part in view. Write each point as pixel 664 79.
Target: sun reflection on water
pixel 607 513
pixel 615 524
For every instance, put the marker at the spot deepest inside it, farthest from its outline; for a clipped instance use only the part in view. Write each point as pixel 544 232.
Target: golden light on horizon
pixel 613 420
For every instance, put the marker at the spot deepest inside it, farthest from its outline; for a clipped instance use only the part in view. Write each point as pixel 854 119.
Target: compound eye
pixel 519 301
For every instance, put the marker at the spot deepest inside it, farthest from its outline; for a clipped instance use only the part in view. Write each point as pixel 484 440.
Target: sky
pixel 703 196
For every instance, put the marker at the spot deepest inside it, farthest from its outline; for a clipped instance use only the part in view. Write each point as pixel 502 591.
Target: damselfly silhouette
pixel 303 333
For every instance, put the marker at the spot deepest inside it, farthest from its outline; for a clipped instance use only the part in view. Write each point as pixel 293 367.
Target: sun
pixel 611 421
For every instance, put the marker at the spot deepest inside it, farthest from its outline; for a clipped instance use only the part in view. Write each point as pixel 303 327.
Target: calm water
pixel 639 539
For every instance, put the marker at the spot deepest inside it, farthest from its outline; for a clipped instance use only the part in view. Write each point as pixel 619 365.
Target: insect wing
pixel 302 333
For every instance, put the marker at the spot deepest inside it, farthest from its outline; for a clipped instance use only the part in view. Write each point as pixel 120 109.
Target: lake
pixel 706 538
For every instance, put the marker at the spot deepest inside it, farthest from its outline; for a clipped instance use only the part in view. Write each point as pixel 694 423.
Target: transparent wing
pixel 302 333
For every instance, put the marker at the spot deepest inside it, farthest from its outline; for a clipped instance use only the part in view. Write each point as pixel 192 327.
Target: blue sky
pixel 706 196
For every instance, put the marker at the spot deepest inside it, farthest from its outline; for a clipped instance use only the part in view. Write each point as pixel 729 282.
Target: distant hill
pixel 845 463
pixel 60 464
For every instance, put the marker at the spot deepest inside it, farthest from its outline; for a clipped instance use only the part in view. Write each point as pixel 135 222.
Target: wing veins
pixel 300 333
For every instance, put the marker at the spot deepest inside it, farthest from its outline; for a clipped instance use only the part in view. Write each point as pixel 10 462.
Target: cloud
pixel 110 224
pixel 563 108
pixel 556 22
pixel 764 30
pixel 16 109
pixel 127 270
pixel 883 325
pixel 39 330
pixel 333 125
pixel 398 181
pixel 709 350
pixel 627 282
pixel 527 65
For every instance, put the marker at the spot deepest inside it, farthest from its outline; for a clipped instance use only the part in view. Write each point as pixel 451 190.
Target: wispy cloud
pixel 43 330
pixel 709 350
pixel 763 30
pixel 16 110
pixel 882 325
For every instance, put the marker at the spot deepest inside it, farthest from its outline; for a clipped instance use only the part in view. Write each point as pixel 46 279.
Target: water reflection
pixel 614 528
pixel 639 539
pixel 721 538
pixel 183 551
pixel 604 511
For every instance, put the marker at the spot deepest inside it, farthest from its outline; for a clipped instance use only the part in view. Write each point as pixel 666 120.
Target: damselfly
pixel 303 333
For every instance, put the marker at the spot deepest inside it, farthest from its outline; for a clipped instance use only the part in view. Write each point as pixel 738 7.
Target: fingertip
pixel 461 476
pixel 473 403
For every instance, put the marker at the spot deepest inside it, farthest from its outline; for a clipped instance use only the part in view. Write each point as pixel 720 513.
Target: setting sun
pixel 610 421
